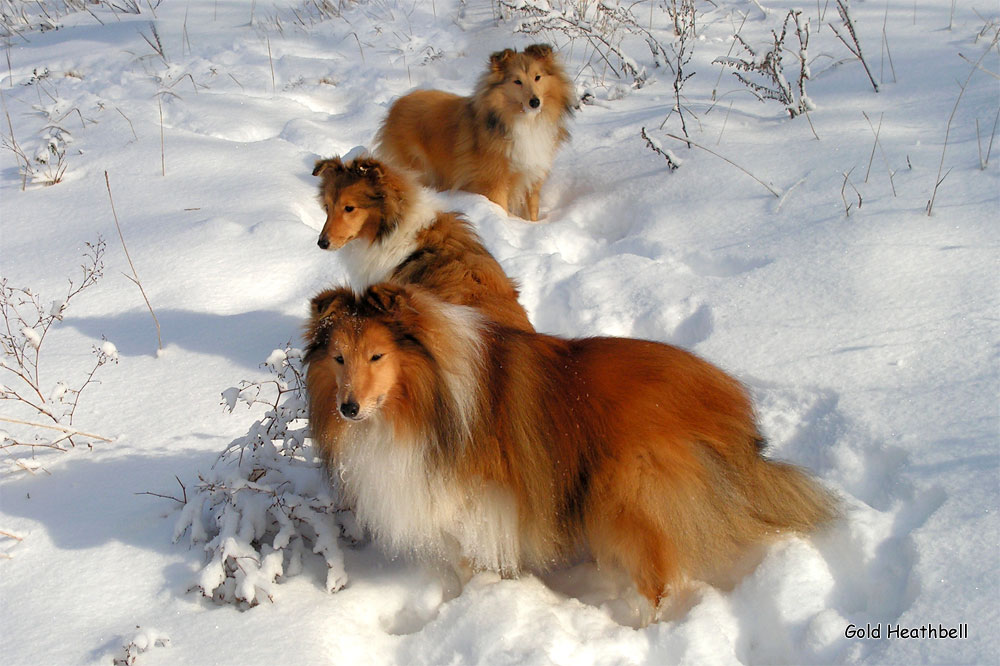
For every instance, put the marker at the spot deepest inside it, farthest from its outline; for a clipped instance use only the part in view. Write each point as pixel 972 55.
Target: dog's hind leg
pixel 622 530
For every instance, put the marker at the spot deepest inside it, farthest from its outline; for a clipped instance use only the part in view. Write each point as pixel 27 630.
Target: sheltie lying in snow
pixel 503 449
pixel 500 142
pixel 387 228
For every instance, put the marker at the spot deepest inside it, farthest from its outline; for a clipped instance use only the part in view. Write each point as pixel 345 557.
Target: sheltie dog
pixel 502 449
pixel 500 142
pixel 387 228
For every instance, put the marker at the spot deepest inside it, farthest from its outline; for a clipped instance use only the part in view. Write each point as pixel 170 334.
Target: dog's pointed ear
pixel 325 309
pixel 332 302
pixel 370 168
pixel 392 299
pixel 539 51
pixel 499 59
pixel 333 165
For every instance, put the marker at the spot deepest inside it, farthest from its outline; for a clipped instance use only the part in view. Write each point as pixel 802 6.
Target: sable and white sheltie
pixel 500 142
pixel 388 228
pixel 504 449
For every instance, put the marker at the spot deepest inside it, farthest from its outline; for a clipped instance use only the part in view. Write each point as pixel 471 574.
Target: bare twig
pixel 23 331
pixel 60 428
pixel 13 146
pixel 672 162
pixel 947 132
pixel 843 8
pixel 131 127
pixel 684 16
pixel 181 500
pixel 163 155
pixel 885 48
pixel 983 163
pixel 135 275
pixel 729 161
pixel 271 61
pixel 843 193
pixel 878 145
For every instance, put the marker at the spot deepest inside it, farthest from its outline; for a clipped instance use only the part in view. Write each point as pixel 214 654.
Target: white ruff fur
pixel 370 264
pixel 414 507
pixel 534 141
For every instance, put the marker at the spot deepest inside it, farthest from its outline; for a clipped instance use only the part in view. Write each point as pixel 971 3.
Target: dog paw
pixel 419 609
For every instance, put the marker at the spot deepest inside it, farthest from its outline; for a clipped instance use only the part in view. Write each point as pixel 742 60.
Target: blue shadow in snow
pixel 246 338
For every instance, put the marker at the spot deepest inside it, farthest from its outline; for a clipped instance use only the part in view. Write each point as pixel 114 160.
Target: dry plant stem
pixel 980 67
pixel 885 48
pixel 135 275
pixel 729 161
pixel 69 431
pixel 684 16
pixel 360 50
pixel 983 163
pixel 25 327
pixel 769 67
pixel 134 135
pixel 732 45
pixel 725 121
pixel 845 15
pixel 843 193
pixel 947 132
pixel 163 158
pixel 14 147
pixel 181 500
pixel 878 145
pixel 271 61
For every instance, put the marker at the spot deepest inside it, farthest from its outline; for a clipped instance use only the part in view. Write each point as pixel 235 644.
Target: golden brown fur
pixel 500 142
pixel 524 448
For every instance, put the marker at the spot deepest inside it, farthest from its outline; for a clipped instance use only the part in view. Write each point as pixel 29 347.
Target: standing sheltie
pixel 503 449
pixel 387 227
pixel 500 142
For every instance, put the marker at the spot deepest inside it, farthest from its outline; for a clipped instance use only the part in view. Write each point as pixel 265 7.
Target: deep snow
pixel 869 340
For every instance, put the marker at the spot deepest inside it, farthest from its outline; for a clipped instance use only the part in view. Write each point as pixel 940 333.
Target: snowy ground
pixel 867 334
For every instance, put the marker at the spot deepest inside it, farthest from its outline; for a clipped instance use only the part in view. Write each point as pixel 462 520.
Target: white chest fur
pixel 368 264
pixel 534 141
pixel 411 508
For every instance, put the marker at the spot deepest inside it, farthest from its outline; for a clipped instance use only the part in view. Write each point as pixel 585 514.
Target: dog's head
pixel 363 198
pixel 526 82
pixel 363 341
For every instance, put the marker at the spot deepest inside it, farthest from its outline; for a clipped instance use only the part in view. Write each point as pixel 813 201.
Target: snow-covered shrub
pixel 267 501
pixel 764 74
pixel 48 408
pixel 142 641
pixel 605 25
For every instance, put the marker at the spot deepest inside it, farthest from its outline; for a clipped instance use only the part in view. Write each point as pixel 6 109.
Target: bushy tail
pixel 784 497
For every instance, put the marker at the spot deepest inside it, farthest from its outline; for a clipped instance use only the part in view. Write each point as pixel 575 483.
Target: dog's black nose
pixel 350 409
pixel 323 242
pixel 534 102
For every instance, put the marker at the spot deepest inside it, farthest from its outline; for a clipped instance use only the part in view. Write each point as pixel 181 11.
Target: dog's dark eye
pixel 538 77
pixel 348 209
pixel 517 81
pixel 376 357
pixel 339 359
